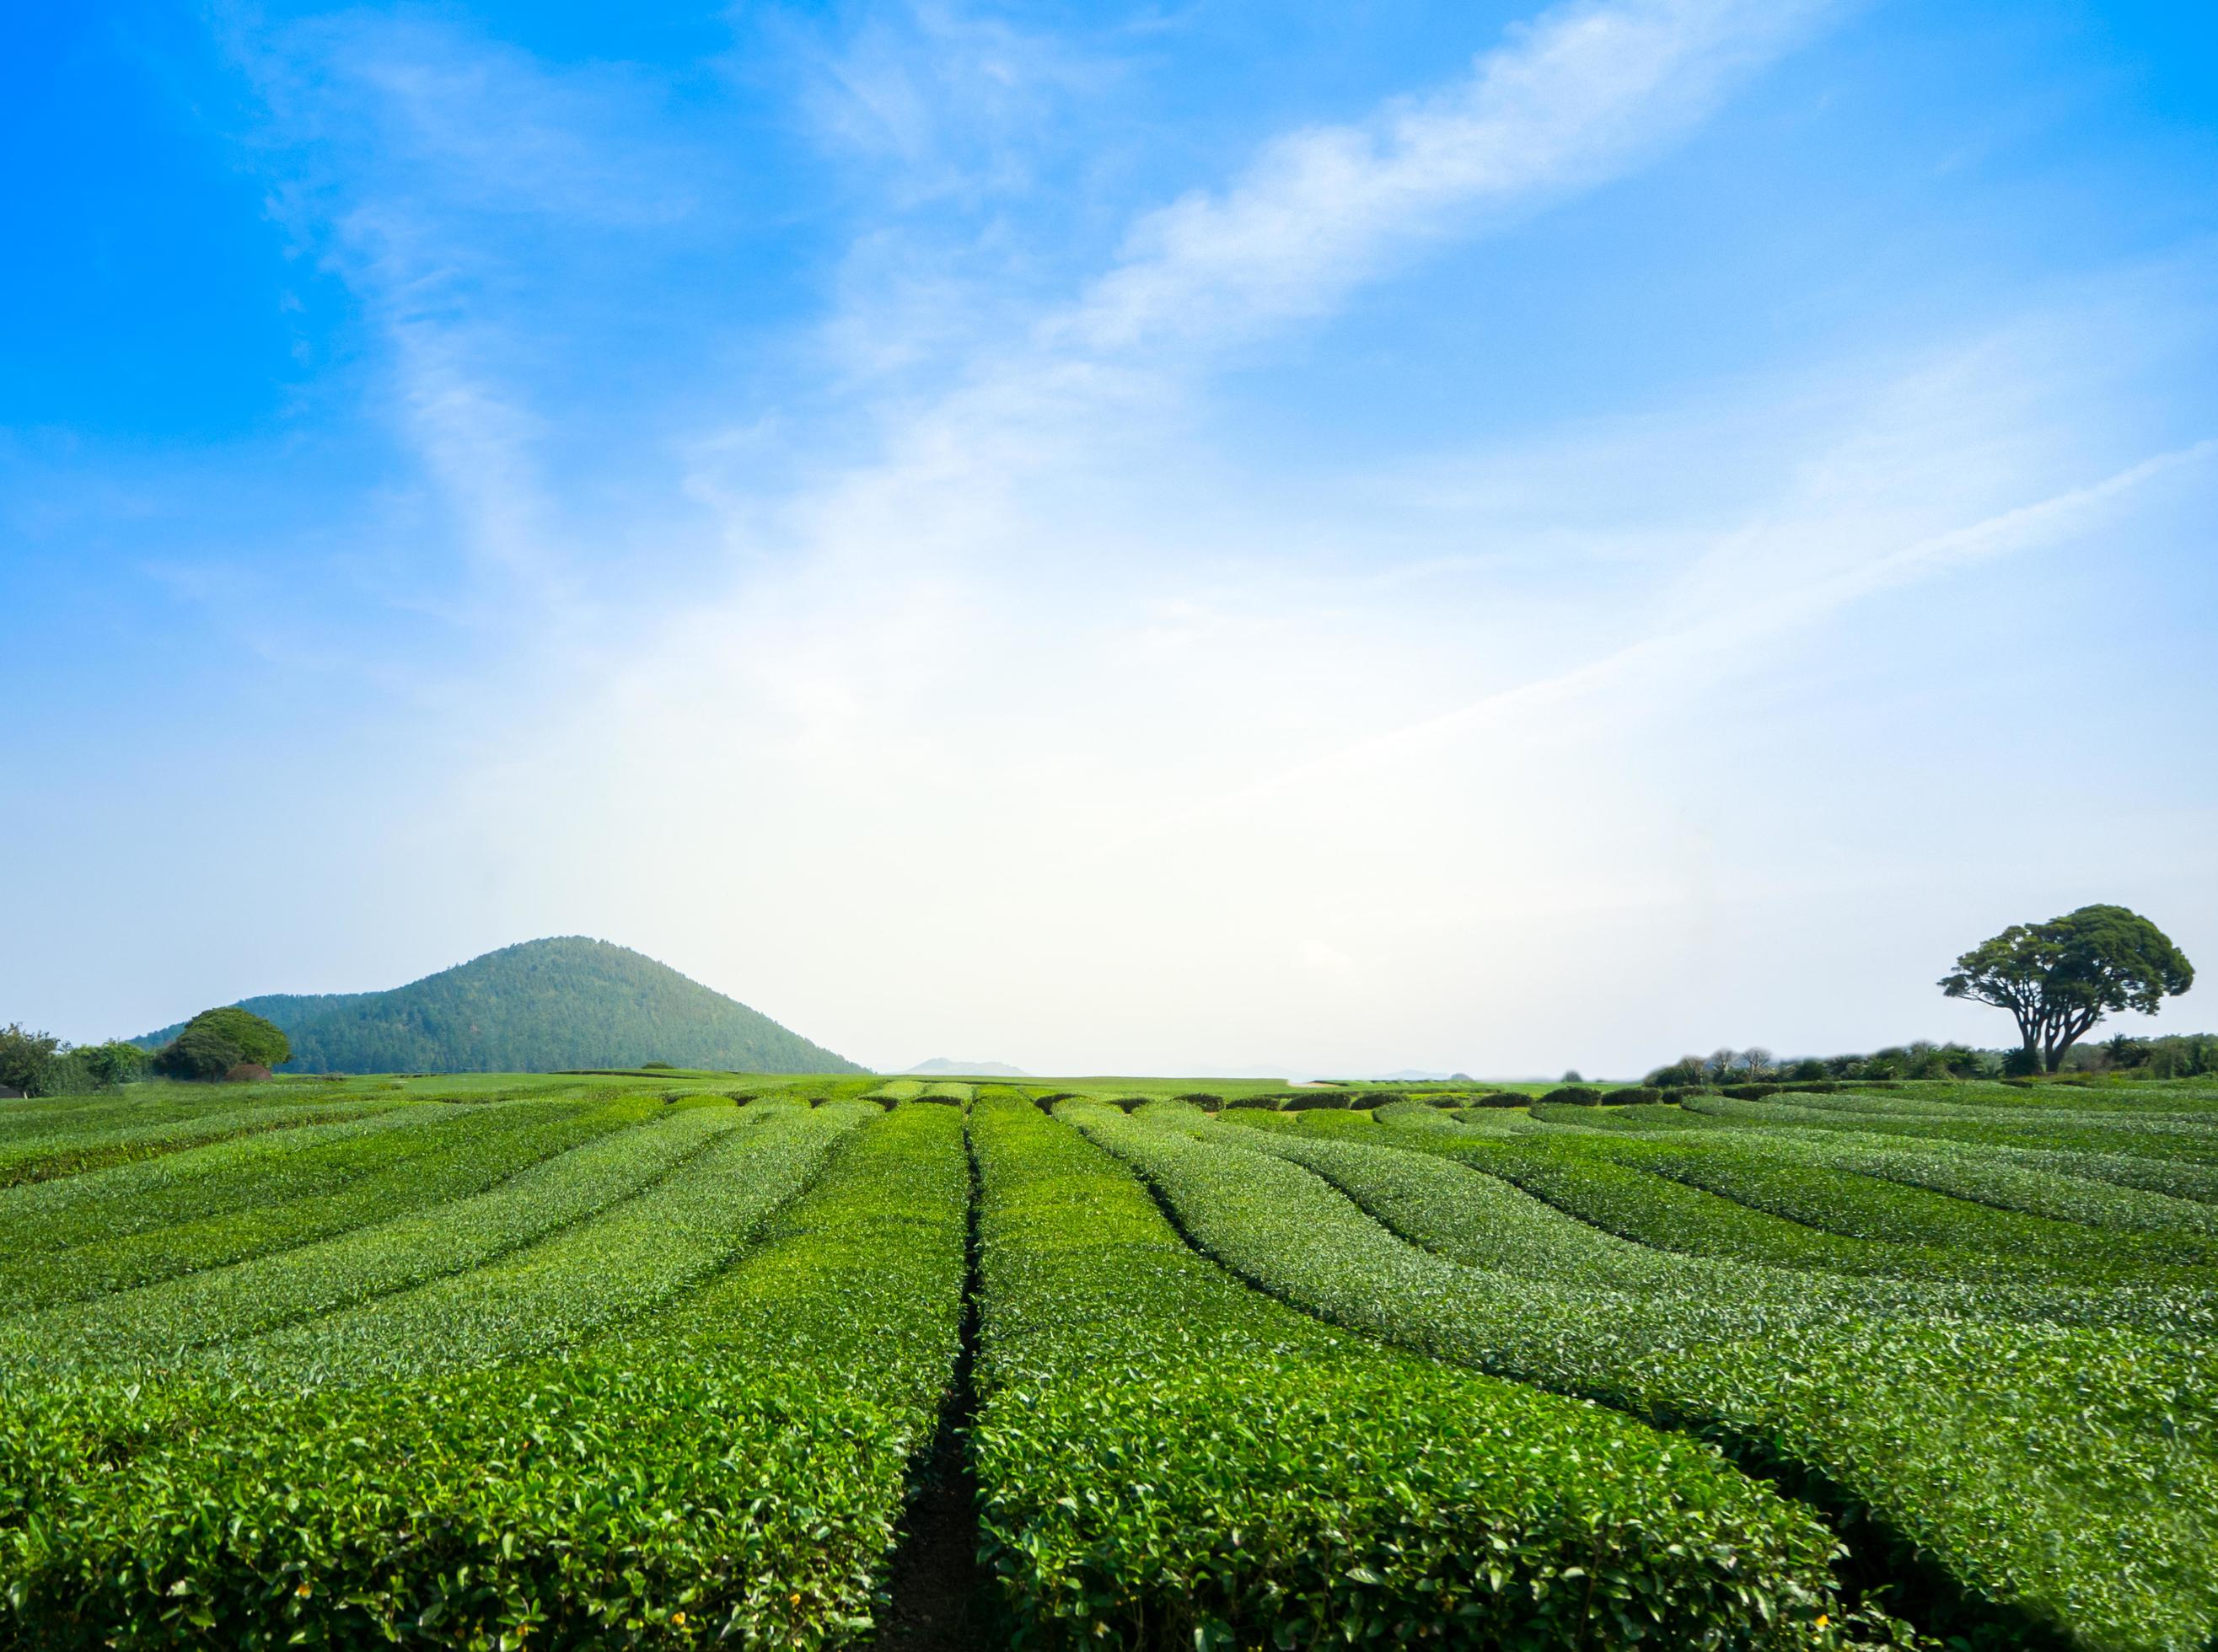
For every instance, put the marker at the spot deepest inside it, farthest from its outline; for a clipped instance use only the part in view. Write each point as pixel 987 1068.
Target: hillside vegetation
pixel 540 1006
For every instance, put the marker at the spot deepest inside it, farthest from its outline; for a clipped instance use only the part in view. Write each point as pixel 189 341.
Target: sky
pixel 1174 537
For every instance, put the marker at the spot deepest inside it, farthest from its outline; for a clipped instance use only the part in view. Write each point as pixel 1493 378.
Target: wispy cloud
pixel 1584 94
pixel 1564 103
pixel 1695 656
pixel 943 100
pixel 441 174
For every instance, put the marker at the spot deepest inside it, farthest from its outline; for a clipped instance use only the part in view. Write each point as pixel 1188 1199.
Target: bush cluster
pixel 1574 1095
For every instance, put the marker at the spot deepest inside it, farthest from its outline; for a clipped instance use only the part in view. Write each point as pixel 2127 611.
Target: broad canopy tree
pixel 215 1041
pixel 2060 978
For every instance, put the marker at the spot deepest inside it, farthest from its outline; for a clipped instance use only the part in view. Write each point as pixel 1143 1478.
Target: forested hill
pixel 540 1006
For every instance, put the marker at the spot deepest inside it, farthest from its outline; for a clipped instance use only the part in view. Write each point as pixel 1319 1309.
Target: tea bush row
pixel 401 1163
pixel 69 1145
pixel 158 1322
pixel 728 1472
pixel 1169 1459
pixel 617 1263
pixel 2061 1479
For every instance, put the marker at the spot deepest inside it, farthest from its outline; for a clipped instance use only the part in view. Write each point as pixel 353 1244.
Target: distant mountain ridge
pixel 539 1006
pixel 940 1064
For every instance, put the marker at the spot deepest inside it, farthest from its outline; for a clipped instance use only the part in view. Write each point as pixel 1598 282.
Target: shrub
pixel 1751 1091
pixel 1311 1100
pixel 1634 1095
pixel 1501 1098
pixel 1269 1103
pixel 1202 1098
pixel 1574 1095
pixel 252 1072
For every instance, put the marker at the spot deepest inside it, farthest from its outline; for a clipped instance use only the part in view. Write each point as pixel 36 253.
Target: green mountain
pixel 538 1007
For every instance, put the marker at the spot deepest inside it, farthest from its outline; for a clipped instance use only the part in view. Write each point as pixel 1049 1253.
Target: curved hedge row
pixel 620 1261
pixel 1167 1458
pixel 78 1136
pixel 2064 1480
pixel 728 1472
pixel 139 1223
pixel 157 1323
pixel 1717 1208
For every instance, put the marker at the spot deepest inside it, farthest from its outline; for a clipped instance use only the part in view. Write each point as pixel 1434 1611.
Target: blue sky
pixel 1153 538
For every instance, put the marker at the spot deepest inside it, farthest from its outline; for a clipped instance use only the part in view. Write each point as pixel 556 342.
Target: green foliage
pixel 729 1470
pixel 24 1057
pixel 2058 979
pixel 1573 1095
pixel 565 1004
pixel 113 1063
pixel 215 1041
pixel 88 1134
pixel 610 1362
pixel 1166 1459
pixel 2057 1479
pixel 135 1225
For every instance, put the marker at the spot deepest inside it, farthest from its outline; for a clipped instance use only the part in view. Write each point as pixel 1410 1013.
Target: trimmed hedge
pixel 1574 1095
pixel 2061 1480
pixel 1168 1459
pixel 731 1469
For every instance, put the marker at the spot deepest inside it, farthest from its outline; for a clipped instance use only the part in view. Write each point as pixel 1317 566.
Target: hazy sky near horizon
pixel 1112 538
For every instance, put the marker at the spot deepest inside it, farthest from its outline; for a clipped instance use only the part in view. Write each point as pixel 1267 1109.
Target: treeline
pixel 2174 1056
pixel 40 1064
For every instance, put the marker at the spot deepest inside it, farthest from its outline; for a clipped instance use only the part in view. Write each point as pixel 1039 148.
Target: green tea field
pixel 666 1359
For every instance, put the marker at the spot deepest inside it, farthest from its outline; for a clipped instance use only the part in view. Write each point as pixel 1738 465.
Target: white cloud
pixel 1575 97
